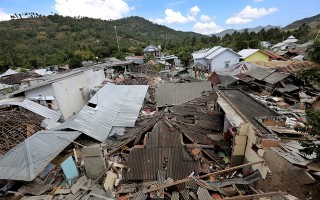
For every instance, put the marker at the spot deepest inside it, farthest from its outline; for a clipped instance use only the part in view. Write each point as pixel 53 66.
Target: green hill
pixel 313 22
pixel 49 40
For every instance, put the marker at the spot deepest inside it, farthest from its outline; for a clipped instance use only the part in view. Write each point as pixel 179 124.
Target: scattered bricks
pixel 270 142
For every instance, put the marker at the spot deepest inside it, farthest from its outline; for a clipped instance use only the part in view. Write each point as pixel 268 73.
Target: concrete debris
pixel 183 139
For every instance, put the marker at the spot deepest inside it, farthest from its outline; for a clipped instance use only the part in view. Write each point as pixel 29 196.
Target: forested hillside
pixel 39 41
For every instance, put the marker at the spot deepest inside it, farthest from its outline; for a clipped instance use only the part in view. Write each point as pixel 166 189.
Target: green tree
pixel 314 52
pixel 312 128
pixel 75 63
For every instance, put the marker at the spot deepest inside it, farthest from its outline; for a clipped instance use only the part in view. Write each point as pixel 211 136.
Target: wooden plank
pixel 255 196
pixel 189 179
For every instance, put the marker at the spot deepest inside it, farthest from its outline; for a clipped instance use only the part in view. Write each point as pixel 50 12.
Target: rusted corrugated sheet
pixel 145 162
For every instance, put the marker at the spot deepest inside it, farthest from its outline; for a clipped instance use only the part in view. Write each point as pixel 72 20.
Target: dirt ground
pixel 288 178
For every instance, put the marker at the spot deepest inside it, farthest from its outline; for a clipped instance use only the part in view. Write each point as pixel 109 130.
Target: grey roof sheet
pixel 117 106
pixel 259 73
pixel 288 88
pixel 249 107
pixel 168 94
pixel 28 159
pixel 33 107
pixel 203 194
pixel 275 77
pixel 226 80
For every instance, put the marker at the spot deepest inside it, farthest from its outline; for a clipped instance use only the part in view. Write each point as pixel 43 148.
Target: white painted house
pixel 216 58
pixel 65 93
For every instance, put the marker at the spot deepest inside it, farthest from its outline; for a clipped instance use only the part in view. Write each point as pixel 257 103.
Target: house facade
pixel 152 51
pixel 216 58
pixel 66 93
pixel 253 55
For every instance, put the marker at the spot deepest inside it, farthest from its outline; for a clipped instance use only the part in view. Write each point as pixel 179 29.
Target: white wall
pixel 71 94
pixel 94 78
pixel 46 90
pixel 218 62
pixel 201 60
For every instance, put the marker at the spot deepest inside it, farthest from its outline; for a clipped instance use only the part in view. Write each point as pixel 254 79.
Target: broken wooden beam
pixel 254 196
pixel 189 179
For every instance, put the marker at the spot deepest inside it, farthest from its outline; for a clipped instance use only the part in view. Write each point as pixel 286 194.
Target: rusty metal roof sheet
pixel 162 154
pixel 286 66
pixel 168 94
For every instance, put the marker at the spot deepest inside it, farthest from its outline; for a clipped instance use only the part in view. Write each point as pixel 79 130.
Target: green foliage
pixel 75 63
pixel 160 67
pixel 310 77
pixel 312 128
pixel 314 51
pixel 31 40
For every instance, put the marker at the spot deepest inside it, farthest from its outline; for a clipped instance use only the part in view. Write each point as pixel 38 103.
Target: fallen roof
pixel 168 94
pixel 259 73
pixel 8 73
pixel 274 56
pixel 16 126
pixel 275 77
pixel 163 151
pixel 30 157
pixel 249 107
pixel 286 66
pixel 112 105
pixel 33 107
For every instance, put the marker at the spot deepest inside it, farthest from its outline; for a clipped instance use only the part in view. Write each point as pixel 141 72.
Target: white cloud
pixel 194 11
pixel 104 9
pixel 205 18
pixel 257 0
pixel 174 17
pixel 4 16
pixel 248 14
pixel 207 28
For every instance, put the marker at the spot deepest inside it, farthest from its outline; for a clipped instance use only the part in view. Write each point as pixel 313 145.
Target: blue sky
pixel 203 16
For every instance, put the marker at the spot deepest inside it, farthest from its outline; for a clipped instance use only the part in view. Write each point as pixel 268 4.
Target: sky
pixel 201 16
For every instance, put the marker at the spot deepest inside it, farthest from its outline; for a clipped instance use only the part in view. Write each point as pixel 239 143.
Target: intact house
pixel 64 93
pixel 253 55
pixel 216 58
pixel 152 51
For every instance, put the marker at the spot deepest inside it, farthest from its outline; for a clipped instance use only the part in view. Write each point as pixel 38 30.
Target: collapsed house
pixel 64 93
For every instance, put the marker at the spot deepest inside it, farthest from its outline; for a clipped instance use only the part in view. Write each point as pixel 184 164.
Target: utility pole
pixel 115 28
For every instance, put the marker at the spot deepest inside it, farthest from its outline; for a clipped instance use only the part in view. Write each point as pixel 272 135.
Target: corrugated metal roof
pixel 259 73
pixel 33 107
pixel 168 94
pixel 203 194
pixel 275 77
pixel 288 88
pixel 117 106
pixel 175 195
pixel 247 52
pixel 160 153
pixel 27 160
